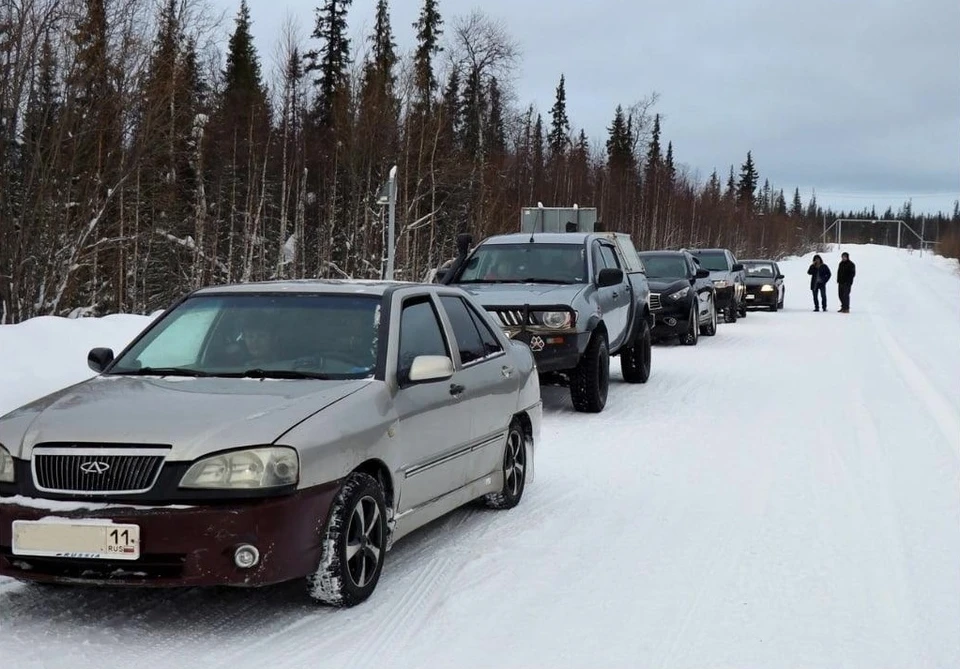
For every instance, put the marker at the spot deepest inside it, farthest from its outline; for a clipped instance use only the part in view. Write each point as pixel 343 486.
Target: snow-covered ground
pixel 783 495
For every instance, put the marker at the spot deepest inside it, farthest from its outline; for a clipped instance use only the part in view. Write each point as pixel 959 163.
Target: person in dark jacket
pixel 846 270
pixel 819 275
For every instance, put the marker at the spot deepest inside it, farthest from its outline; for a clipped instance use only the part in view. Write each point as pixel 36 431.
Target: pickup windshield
pixel 526 263
pixel 664 267
pixel 714 261
pixel 264 336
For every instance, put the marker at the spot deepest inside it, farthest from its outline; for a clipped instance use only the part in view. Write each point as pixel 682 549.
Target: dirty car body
pixel 226 444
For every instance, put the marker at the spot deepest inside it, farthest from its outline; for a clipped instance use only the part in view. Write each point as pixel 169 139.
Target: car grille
pixel 655 301
pixel 513 318
pixel 96 470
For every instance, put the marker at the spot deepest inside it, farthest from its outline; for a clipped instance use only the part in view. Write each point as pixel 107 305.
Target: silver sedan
pixel 260 433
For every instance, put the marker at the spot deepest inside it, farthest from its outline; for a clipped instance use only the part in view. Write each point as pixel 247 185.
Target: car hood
pixel 193 415
pixel 510 294
pixel 759 280
pixel 667 285
pixel 721 274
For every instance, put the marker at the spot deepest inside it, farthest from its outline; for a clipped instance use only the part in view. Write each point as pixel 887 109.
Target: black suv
pixel 728 278
pixel 683 299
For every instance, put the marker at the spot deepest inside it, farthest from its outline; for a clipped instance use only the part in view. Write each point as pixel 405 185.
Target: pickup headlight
pixel 766 288
pixel 556 320
pixel 721 283
pixel 6 466
pixel 680 293
pixel 252 468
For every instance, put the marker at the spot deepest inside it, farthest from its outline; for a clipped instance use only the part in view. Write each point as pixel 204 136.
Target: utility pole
pixel 388 196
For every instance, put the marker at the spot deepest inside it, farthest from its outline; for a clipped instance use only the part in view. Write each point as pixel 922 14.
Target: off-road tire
pixel 590 379
pixel 692 336
pixel 635 360
pixel 710 329
pixel 333 583
pixel 730 314
pixel 514 470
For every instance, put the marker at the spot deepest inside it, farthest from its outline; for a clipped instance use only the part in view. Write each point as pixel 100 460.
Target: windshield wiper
pixel 536 280
pixel 162 371
pixel 258 373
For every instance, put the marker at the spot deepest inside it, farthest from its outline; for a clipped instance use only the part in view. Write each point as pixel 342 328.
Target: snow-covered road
pixel 786 494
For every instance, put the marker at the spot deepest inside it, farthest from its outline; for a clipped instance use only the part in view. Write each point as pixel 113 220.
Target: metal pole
pixel 391 227
pixel 899 228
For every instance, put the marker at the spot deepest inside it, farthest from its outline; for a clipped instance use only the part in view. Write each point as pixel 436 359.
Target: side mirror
pixel 737 267
pixel 703 273
pixel 781 276
pixel 609 276
pixel 430 368
pixel 99 358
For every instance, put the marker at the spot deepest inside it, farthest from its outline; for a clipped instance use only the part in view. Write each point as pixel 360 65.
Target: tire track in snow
pixel 944 415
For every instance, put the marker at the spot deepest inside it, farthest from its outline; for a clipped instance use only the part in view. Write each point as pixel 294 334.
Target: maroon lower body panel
pixel 188 546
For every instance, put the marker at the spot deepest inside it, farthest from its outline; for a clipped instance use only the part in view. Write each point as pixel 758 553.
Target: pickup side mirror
pixel 737 267
pixel 99 358
pixel 609 276
pixel 781 276
pixel 430 368
pixel 703 273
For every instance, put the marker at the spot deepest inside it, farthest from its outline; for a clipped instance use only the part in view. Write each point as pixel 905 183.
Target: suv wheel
pixel 635 359
pixel 710 329
pixel 354 544
pixel 590 379
pixel 730 314
pixel 514 470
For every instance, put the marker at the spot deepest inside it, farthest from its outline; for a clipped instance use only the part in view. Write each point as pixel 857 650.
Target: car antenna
pixel 534 228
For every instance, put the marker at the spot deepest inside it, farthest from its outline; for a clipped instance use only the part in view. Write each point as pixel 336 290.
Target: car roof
pixel 665 252
pixel 539 237
pixel 343 286
pixel 772 262
pixel 706 250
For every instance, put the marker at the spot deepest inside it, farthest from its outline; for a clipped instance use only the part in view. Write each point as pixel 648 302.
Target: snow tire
pixel 590 379
pixel 635 360
pixel 515 461
pixel 335 583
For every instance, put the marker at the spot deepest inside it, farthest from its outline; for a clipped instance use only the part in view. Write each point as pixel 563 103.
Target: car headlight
pixel 556 320
pixel 6 466
pixel 721 283
pixel 766 288
pixel 680 293
pixel 252 468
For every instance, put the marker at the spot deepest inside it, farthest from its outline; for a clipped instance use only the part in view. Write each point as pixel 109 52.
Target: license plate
pixel 89 539
pixel 751 297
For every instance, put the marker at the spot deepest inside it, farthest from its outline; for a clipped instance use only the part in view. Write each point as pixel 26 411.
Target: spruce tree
pixel 495 133
pixel 747 186
pixel 559 124
pixel 429 30
pixel 331 60
pixel 796 209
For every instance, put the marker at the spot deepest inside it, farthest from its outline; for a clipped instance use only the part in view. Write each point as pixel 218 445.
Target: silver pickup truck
pixel 576 298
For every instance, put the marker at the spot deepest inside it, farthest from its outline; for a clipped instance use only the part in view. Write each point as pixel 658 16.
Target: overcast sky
pixel 859 99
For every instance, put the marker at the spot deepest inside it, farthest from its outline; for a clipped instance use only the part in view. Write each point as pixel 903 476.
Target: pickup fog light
pixel 6 466
pixel 766 289
pixel 252 468
pixel 246 556
pixel 680 293
pixel 556 319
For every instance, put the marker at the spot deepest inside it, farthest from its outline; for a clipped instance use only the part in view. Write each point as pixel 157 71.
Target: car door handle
pixel 616 294
pixel 506 370
pixel 456 389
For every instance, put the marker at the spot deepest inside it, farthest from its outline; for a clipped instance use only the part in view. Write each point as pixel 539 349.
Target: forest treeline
pixel 137 161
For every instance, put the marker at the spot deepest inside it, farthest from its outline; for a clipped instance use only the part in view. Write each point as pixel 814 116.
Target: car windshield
pixel 759 269
pixel 526 263
pixel 664 267
pixel 261 336
pixel 714 261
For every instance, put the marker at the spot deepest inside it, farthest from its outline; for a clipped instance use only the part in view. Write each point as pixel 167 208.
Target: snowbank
pixel 44 354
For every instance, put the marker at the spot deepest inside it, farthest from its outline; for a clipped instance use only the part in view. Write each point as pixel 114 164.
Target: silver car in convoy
pixel 260 433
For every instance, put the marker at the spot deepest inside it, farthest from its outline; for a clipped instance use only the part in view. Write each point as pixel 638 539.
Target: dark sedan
pixel 683 299
pixel 764 284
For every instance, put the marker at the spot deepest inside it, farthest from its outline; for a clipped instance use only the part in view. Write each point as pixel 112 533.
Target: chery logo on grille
pixel 95 467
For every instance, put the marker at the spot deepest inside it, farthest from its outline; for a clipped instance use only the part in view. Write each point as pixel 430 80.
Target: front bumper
pixel 183 546
pixel 671 320
pixel 757 298
pixel 726 297
pixel 554 351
